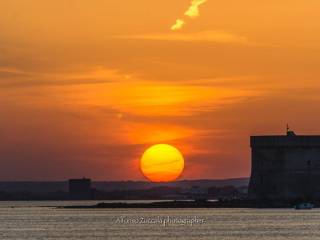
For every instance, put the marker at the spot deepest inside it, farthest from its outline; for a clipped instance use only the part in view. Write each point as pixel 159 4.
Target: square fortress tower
pixel 285 167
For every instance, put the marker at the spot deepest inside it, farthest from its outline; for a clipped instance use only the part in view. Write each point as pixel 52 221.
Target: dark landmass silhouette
pixel 124 190
pixel 52 186
pixel 201 203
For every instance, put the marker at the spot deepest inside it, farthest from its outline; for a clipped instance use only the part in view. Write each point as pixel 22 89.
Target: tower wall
pixel 285 167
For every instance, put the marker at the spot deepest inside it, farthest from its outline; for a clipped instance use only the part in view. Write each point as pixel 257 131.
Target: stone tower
pixel 285 167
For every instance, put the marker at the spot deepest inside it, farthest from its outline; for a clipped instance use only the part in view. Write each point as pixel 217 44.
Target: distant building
pixel 80 189
pixel 285 167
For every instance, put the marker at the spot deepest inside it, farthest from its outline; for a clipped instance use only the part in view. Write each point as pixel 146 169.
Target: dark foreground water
pixel 40 220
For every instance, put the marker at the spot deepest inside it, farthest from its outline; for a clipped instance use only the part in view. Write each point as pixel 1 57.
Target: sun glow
pixel 162 163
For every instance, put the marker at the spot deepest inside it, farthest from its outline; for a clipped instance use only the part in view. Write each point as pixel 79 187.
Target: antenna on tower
pixel 289 131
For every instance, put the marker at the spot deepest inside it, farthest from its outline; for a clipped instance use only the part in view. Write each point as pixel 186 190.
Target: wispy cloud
pixel 192 12
pixel 13 77
pixel 178 25
pixel 5 69
pixel 204 36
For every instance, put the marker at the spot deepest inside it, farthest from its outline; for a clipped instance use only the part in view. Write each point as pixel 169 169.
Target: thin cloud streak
pixel 16 78
pixel 205 36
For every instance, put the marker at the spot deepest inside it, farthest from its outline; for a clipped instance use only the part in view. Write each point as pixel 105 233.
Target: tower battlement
pixel 285 141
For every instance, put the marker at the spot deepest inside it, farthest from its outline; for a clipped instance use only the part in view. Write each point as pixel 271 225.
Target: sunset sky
pixel 87 86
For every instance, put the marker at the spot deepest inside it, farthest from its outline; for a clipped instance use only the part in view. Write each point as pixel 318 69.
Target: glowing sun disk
pixel 162 163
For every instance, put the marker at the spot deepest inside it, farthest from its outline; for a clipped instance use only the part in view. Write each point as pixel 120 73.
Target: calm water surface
pixel 43 220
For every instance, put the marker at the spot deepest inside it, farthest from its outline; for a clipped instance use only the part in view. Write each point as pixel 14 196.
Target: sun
pixel 162 163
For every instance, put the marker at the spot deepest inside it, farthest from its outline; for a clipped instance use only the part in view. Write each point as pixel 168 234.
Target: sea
pixel 47 220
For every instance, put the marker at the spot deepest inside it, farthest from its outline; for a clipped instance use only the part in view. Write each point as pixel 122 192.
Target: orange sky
pixel 87 86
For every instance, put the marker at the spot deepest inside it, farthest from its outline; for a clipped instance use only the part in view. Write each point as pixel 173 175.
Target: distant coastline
pixel 243 203
pixel 124 190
